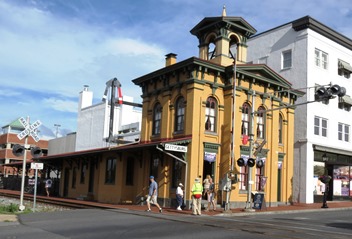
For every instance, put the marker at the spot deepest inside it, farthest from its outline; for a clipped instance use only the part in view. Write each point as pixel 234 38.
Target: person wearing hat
pixel 153 195
pixel 197 191
pixel 179 196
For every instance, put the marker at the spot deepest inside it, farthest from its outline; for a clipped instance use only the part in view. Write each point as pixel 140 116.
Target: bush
pixel 12 208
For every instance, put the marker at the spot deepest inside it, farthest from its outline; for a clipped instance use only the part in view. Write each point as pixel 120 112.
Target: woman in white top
pixel 179 196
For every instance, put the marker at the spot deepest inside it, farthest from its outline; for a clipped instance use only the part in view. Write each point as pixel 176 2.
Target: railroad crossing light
pixel 260 163
pixel 241 162
pixel 18 150
pixel 36 152
pixel 251 162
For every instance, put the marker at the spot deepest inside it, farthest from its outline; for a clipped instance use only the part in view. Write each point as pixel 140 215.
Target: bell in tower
pixel 223 39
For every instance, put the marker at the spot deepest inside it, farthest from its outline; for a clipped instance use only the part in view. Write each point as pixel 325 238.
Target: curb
pixel 236 214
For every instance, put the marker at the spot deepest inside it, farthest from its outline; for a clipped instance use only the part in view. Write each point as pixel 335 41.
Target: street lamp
pixel 57 128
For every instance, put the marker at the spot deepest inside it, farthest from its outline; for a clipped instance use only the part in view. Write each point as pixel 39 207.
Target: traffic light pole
pixel 22 207
pixel 248 207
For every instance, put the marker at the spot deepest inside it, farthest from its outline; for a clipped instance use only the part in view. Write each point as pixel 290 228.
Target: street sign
pixel 177 148
pixel 29 129
pixel 37 165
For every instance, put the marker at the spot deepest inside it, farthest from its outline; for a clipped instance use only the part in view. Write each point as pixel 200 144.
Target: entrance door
pixel 66 181
pixel 91 178
pixel 208 169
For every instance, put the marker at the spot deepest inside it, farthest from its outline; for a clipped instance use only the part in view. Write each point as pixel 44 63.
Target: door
pixel 91 178
pixel 66 181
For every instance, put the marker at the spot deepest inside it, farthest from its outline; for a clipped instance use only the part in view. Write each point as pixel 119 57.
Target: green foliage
pixel 12 208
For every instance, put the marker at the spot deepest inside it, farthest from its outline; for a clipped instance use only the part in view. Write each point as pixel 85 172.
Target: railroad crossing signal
pixel 29 129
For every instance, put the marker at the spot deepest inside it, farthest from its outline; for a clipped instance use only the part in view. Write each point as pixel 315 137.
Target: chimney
pixel 170 59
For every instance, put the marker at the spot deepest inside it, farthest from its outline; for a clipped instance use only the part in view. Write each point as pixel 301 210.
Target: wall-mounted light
pixel 325 157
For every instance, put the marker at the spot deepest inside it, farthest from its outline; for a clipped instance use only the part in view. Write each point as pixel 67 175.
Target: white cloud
pixel 60 105
pixel 9 93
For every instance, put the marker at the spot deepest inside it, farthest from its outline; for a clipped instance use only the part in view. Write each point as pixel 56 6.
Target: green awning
pixel 345 65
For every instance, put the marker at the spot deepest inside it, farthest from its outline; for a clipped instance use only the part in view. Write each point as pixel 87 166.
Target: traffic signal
pixel 251 162
pixel 241 162
pixel 327 93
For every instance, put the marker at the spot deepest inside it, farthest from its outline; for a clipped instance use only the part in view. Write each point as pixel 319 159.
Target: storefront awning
pixel 347 100
pixel 332 150
pixel 345 65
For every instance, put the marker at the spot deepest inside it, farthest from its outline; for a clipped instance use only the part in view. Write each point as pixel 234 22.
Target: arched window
pixel 157 119
pixel 261 123
pixel 211 51
pixel 210 114
pixel 180 114
pixel 245 119
pixel 233 51
pixel 280 129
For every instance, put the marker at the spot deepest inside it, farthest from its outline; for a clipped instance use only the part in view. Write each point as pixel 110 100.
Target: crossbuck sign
pixel 29 129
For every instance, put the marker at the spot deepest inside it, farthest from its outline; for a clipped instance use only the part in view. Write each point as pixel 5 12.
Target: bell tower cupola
pixel 223 39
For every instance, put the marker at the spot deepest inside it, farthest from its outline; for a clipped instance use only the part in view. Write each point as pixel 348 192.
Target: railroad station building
pixel 197 118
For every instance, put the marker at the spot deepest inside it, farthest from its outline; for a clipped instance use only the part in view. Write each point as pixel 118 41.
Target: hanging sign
pixel 210 157
pixel 177 148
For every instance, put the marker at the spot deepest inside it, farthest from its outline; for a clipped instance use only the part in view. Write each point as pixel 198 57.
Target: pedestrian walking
pixel 153 195
pixel 211 195
pixel 179 196
pixel 206 185
pixel 48 184
pixel 197 190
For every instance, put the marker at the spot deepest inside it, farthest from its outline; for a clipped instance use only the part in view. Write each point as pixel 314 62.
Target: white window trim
pixel 342 135
pixel 320 126
pixel 320 59
pixel 283 60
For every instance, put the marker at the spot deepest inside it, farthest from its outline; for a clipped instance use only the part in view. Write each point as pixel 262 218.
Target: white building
pixel 308 53
pixel 93 125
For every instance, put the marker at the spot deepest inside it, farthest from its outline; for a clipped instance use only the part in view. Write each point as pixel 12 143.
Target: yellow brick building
pixel 198 115
pixel 194 99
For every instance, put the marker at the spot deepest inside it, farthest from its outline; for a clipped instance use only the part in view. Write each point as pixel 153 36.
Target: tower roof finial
pixel 224 11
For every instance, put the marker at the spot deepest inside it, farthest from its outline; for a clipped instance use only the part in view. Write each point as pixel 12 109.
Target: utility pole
pixel 57 129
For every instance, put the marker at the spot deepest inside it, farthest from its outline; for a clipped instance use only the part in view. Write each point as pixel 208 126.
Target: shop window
pixel 176 173
pixel 110 171
pixel 129 171
pixel 154 164
pixel 74 177
pixel 83 172
pixel 243 178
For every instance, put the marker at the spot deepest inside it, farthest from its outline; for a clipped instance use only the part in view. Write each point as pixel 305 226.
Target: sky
pixel 50 49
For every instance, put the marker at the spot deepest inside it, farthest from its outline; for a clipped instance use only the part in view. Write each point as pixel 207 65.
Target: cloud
pixel 60 105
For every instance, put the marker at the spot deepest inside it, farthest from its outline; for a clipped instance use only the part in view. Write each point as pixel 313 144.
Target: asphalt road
pixel 105 224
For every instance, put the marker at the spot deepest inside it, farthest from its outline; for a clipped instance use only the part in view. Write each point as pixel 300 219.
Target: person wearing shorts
pixel 153 195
